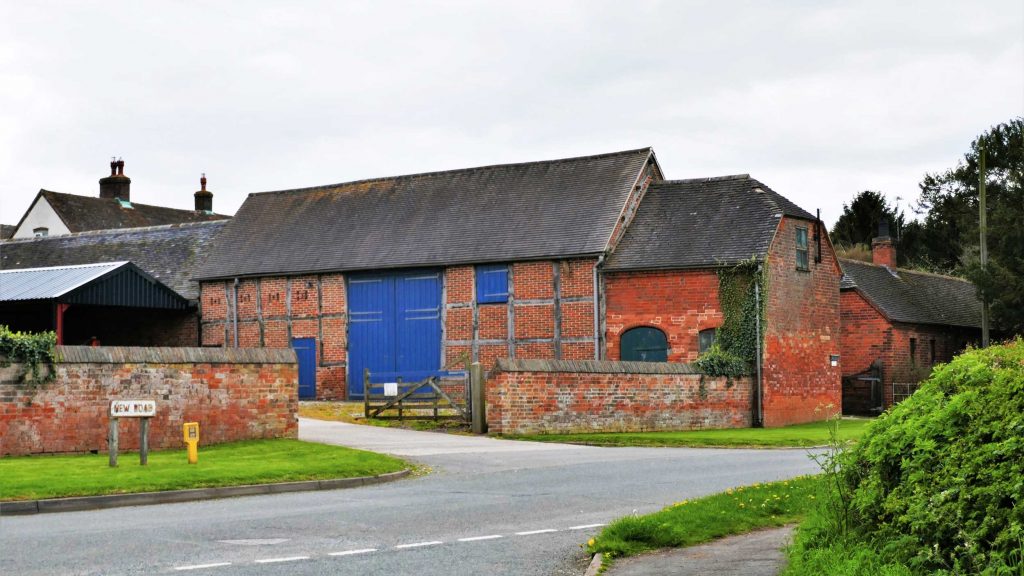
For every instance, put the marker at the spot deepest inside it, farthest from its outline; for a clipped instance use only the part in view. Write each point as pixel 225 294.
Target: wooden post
pixel 399 379
pixel 112 442
pixel 143 441
pixel 366 392
pixel 478 410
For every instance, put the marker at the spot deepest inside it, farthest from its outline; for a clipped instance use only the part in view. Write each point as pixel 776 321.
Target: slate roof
pixel 82 213
pixel 702 222
pixel 170 253
pixel 914 297
pixel 7 230
pixel 497 213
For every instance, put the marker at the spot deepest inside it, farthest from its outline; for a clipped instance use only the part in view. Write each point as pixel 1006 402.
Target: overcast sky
pixel 817 99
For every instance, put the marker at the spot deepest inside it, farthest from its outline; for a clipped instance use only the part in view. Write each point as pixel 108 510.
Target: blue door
pixel 305 352
pixel 394 327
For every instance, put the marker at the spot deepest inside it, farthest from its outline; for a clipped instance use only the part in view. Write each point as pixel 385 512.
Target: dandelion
pixel 590 542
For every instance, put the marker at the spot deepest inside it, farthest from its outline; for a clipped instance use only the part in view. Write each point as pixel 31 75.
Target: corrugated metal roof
pixel 49 283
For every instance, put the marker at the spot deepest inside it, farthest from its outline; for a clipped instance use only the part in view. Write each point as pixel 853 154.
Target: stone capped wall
pixel 537 396
pixel 234 394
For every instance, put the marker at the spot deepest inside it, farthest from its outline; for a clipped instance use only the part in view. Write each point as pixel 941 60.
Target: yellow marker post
pixel 191 431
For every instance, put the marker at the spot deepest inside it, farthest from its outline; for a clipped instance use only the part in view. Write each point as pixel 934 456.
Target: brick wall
pixel 233 394
pixel 801 330
pixel 681 303
pixel 531 396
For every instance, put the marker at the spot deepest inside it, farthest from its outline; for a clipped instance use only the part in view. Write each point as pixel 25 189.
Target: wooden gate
pixel 422 399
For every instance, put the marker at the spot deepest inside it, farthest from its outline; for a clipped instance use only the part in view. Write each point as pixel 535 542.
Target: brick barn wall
pixel 801 331
pixel 233 394
pixel 681 303
pixel 868 336
pixel 550 314
pixel 273 310
pixel 528 397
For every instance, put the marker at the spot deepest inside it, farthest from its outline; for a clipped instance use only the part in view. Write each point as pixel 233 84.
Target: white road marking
pixel 288 559
pixel 255 541
pixel 585 526
pixel 419 544
pixel 476 538
pixel 201 566
pixel 532 532
pixel 352 552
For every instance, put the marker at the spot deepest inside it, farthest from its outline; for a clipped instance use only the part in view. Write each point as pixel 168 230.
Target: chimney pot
pixel 883 252
pixel 117 185
pixel 203 197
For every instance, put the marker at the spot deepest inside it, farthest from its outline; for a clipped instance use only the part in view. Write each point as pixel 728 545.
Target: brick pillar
pixel 883 252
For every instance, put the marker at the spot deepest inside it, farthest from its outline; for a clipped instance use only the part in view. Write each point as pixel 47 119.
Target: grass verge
pixel 798 435
pixel 233 464
pixel 690 522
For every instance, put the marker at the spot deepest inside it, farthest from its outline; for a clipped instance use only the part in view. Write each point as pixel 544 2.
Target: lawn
pixel 233 464
pixel 690 522
pixel 798 435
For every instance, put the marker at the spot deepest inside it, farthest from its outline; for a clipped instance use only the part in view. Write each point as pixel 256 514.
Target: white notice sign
pixel 391 388
pixel 133 408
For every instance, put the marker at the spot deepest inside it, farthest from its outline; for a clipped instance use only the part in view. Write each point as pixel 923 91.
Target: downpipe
pixel 234 309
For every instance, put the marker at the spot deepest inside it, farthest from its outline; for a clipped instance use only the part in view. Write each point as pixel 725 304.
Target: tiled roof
pixel 914 297
pixel 82 213
pixel 488 214
pixel 702 222
pixel 169 253
pixel 7 230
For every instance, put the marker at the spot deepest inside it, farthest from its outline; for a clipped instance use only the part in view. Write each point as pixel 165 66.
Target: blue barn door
pixel 305 352
pixel 394 327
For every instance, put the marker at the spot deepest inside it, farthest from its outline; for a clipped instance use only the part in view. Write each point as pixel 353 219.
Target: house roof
pixel 82 213
pixel 498 213
pixel 7 230
pixel 105 284
pixel 702 222
pixel 914 297
pixel 169 253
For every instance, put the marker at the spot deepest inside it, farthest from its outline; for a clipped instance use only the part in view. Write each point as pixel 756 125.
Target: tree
pixel 859 222
pixel 950 229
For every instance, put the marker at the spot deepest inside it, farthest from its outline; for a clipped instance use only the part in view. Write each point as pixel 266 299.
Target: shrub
pixel 718 362
pixel 936 482
pixel 29 349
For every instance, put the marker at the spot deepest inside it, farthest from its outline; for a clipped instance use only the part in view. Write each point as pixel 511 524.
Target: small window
pixel 706 339
pixel 801 249
pixel 644 344
pixel 41 232
pixel 913 350
pixel 492 283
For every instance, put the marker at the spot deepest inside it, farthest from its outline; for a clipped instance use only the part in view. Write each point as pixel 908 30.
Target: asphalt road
pixel 488 507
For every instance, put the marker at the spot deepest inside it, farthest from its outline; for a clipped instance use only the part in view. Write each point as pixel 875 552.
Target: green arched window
pixel 644 344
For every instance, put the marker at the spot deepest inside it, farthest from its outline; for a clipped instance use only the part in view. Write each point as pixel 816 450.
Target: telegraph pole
pixel 982 225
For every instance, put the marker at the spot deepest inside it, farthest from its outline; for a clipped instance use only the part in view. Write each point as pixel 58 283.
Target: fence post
pixel 112 441
pixel 366 392
pixel 479 397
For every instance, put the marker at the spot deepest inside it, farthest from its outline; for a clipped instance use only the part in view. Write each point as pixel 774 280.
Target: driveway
pixel 489 507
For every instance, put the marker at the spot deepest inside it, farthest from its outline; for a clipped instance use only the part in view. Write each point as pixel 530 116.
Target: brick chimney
pixel 883 252
pixel 117 185
pixel 204 198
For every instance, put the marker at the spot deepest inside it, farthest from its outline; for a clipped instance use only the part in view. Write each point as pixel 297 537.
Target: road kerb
pixel 79 503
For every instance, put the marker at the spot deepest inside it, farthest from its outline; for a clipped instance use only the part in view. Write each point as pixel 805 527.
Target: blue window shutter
pixel 491 283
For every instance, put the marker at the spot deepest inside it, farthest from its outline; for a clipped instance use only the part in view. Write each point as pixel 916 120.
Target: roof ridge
pixel 724 178
pixel 133 204
pixel 117 231
pixel 452 171
pixel 906 270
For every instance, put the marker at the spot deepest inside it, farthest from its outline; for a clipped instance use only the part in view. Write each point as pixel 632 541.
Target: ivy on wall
pixel 33 350
pixel 735 349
